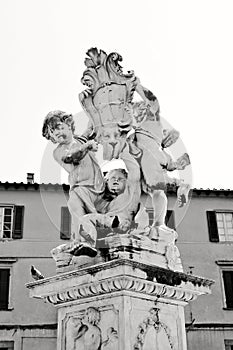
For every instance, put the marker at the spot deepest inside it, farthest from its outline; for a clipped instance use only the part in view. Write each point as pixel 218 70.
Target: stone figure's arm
pixel 170 137
pixel 133 149
pixel 149 98
pixel 75 154
pixel 89 133
pixel 78 153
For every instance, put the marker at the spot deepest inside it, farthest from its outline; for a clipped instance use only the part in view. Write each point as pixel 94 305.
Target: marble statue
pixel 111 213
pixel 75 155
pixel 127 130
pixel 155 162
pixel 108 101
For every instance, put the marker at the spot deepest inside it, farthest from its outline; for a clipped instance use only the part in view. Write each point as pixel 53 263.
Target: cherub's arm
pixel 133 149
pixel 150 99
pixel 89 133
pixel 79 152
pixel 170 137
pixel 74 155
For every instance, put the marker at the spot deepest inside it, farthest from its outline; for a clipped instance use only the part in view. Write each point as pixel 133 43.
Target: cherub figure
pixel 88 336
pixel 112 211
pixel 151 139
pixel 83 333
pixel 75 155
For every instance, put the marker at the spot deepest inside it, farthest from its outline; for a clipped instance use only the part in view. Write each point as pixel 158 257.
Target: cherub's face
pixel 62 133
pixel 116 182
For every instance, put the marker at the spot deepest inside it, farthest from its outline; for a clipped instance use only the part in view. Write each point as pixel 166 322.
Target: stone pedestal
pixel 120 304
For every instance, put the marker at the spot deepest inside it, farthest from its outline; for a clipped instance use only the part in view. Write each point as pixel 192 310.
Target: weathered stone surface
pixel 160 250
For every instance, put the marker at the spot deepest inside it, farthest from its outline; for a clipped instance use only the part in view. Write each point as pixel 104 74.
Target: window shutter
pixel 18 222
pixel 212 226
pixel 65 232
pixel 170 219
pixel 4 288
pixel 228 286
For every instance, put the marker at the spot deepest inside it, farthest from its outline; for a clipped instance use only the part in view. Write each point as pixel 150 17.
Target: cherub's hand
pixel 182 162
pixel 124 224
pixel 92 145
pixel 170 137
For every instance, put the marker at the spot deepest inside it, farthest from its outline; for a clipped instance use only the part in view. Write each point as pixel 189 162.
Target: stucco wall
pixel 208 339
pixel 41 233
pixel 30 339
pixel 196 250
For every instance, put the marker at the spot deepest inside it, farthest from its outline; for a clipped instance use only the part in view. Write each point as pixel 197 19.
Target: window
pixel 6 267
pixel 4 288
pixel 11 221
pixel 226 271
pixel 169 219
pixel 65 231
pixel 6 222
pixel 228 288
pixel 6 345
pixel 225 226
pixel 220 224
pixel 228 344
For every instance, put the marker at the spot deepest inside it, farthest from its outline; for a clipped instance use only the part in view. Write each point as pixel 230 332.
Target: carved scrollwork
pixel 107 99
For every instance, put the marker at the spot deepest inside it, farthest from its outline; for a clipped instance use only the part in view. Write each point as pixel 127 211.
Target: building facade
pixel 30 222
pixel 34 219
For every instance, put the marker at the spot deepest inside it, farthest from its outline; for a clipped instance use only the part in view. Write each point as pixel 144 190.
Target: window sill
pixel 227 308
pixel 9 309
pixel 6 239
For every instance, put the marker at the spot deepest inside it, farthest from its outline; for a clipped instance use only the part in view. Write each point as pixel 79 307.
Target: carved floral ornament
pixel 153 323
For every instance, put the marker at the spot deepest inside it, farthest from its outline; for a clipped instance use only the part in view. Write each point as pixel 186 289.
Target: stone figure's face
pixel 62 133
pixel 116 182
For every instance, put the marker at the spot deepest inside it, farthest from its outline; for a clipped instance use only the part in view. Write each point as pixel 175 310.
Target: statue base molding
pixel 120 305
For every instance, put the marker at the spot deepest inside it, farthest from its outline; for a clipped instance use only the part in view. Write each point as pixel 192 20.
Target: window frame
pixel 6 206
pixel 17 221
pixel 224 265
pixel 212 224
pixel 8 344
pixel 228 344
pixel 223 211
pixel 7 263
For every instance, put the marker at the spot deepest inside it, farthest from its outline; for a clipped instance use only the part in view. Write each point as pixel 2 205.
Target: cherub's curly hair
pixel 93 315
pixel 52 119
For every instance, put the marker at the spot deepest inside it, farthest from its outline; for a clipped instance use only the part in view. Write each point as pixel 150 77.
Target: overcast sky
pixel 181 50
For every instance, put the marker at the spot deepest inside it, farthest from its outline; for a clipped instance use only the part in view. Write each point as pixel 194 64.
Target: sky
pixel 180 49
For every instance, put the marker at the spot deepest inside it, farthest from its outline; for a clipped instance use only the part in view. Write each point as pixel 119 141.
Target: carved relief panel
pixel 91 329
